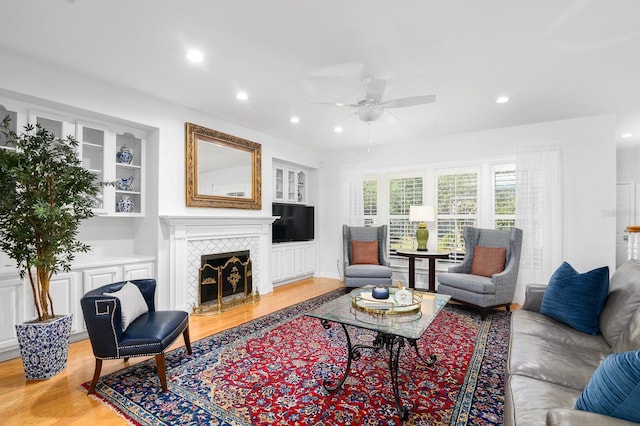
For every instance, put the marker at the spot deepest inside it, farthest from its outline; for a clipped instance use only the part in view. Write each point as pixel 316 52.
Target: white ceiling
pixel 556 59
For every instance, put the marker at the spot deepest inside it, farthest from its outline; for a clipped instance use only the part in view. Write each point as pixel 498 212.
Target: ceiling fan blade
pixel 345 119
pixel 388 118
pixel 338 104
pixel 410 101
pixel 375 88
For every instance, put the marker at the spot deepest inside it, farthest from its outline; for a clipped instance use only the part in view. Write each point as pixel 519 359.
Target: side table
pixel 432 256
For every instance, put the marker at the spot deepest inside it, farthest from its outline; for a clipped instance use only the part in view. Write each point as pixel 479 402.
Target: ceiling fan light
pixel 195 56
pixel 370 113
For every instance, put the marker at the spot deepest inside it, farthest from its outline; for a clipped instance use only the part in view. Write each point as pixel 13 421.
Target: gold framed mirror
pixel 223 171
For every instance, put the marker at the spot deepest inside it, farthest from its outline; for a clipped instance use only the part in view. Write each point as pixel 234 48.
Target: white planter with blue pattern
pixel 44 346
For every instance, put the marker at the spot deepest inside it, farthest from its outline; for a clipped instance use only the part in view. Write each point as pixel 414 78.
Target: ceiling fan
pixel 371 107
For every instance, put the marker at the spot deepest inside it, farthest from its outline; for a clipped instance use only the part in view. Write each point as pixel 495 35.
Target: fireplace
pixel 224 280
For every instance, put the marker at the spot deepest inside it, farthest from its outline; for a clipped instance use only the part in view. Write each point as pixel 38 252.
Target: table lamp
pixel 422 214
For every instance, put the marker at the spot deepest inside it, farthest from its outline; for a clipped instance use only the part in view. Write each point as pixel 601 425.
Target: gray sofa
pixel 549 363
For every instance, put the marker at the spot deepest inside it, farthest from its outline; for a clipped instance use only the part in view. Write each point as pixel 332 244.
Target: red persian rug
pixel 270 372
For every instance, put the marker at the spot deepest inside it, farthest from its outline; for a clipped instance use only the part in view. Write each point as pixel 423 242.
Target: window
pixel 504 196
pixel 370 197
pixel 403 193
pixel 457 206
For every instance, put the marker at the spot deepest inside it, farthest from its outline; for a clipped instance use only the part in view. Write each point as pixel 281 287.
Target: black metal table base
pixel 394 345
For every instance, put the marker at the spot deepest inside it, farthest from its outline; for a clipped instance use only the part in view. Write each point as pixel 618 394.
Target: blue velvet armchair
pixel 148 335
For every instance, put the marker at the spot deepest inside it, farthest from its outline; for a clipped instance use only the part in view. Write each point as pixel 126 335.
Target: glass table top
pixel 350 310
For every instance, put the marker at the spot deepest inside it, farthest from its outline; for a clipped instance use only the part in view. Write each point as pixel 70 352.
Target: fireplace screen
pixel 225 281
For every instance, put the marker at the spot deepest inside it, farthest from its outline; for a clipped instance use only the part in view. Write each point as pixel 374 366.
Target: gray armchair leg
pixel 96 376
pixel 161 371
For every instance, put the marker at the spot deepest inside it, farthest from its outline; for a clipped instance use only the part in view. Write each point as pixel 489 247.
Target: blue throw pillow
pixel 614 388
pixel 576 299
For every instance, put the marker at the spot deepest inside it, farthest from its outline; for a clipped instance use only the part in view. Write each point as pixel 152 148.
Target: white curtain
pixel 351 202
pixel 539 213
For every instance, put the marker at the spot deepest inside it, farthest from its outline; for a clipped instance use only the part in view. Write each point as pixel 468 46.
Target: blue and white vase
pixel 44 346
pixel 125 184
pixel 124 156
pixel 125 205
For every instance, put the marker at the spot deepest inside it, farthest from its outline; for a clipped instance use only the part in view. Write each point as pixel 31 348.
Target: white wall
pixel 589 155
pixel 165 147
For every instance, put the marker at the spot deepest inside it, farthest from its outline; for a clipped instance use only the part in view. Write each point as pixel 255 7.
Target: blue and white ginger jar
pixel 125 205
pixel 124 156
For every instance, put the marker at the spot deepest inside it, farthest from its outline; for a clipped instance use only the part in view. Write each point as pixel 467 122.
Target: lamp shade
pixel 421 214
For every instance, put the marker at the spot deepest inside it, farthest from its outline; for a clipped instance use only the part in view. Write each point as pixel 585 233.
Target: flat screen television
pixel 295 223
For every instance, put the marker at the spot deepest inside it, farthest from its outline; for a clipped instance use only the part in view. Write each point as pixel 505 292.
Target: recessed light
pixel 195 56
pixel 242 96
pixel 339 104
pixel 294 119
pixel 337 129
pixel 502 99
pixel 626 135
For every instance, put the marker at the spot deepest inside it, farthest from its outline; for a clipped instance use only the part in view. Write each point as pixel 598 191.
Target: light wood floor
pixel 58 401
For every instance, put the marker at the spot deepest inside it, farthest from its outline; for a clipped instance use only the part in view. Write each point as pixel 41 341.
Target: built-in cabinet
pixel 99 146
pixel 16 300
pixel 290 184
pixel 292 261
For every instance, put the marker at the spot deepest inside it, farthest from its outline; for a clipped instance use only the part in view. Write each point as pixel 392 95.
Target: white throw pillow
pixel 132 303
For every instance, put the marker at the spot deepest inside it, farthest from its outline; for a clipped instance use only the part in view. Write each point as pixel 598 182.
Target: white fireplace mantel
pixel 192 236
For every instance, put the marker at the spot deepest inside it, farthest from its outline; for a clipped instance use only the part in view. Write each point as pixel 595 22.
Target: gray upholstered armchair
pixel 370 264
pixel 485 289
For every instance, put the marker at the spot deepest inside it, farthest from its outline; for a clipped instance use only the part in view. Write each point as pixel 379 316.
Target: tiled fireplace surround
pixel 194 236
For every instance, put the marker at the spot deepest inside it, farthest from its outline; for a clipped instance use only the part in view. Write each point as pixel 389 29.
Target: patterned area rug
pixel 270 372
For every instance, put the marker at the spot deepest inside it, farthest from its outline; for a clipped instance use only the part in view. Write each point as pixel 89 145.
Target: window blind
pixel 403 193
pixel 504 207
pixel 457 200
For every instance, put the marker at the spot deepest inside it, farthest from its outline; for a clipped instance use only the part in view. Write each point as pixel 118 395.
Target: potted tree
pixel 45 194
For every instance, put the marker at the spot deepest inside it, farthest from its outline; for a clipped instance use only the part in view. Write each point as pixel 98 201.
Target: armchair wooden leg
pixel 96 376
pixel 162 371
pixel 187 340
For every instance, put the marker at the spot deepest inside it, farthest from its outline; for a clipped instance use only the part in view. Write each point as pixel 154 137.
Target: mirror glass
pixel 222 170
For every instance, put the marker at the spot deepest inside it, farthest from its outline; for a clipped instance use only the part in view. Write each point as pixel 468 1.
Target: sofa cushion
pixel 576 299
pixel 623 301
pixel 364 253
pixel 552 361
pixel 527 400
pixel 536 324
pixel 614 388
pixel 488 261
pixel 132 303
pixel 630 337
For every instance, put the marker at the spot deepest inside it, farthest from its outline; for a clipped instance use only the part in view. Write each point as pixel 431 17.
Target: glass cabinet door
pixel 279 184
pixel 92 151
pixel 291 186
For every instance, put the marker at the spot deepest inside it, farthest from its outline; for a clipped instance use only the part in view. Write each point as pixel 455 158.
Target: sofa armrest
pixel 533 297
pixel 566 417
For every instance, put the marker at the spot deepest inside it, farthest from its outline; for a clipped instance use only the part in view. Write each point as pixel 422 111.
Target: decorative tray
pixel 362 299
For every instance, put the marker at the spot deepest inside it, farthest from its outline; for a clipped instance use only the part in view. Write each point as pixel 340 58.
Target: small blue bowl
pixel 380 292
